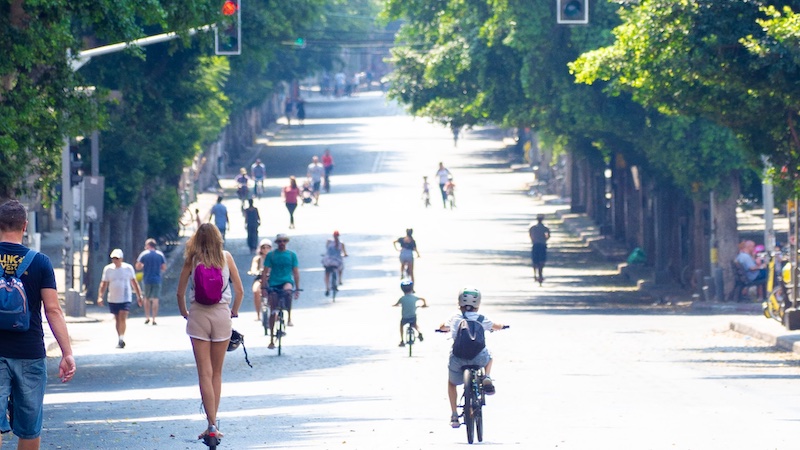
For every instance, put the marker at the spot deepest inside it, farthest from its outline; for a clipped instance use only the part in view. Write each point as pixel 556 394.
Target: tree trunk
pixel 727 232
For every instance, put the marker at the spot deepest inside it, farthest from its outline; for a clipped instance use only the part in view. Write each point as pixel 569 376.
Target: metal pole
pixel 66 214
pixel 769 205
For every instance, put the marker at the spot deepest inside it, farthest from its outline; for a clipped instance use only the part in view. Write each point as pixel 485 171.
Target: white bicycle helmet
pixel 469 296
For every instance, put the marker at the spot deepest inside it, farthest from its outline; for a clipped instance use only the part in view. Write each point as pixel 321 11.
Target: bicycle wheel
pixel 265 315
pixel 281 330
pixel 410 338
pixel 478 412
pixel 334 284
pixel 469 405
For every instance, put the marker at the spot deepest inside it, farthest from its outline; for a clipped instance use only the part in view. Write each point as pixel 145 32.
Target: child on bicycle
pixel 408 315
pixel 469 300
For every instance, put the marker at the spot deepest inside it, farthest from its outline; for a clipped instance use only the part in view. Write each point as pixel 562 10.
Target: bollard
pixel 698 276
pixel 74 304
pixel 719 285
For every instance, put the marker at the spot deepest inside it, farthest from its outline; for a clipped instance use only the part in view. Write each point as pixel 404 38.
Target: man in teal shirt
pixel 280 272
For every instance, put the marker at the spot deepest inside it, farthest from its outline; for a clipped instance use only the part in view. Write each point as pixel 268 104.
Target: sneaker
pixel 289 324
pixel 327 292
pixel 402 344
pixel 454 422
pixel 488 386
pixel 271 346
pixel 121 344
pixel 147 321
pixel 419 335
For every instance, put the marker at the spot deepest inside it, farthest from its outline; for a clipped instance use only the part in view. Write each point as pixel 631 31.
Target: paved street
pixel 588 362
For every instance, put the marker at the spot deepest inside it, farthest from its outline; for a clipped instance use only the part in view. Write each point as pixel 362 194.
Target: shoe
pixel 154 322
pixel 271 346
pixel 289 324
pixel 419 335
pixel 327 292
pixel 121 344
pixel 340 281
pixel 212 431
pixel 147 321
pixel 488 386
pixel 402 344
pixel 454 422
pixel 280 334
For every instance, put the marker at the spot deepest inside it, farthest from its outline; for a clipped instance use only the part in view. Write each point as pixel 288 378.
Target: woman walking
pixel 408 246
pixel 290 194
pixel 252 221
pixel 209 325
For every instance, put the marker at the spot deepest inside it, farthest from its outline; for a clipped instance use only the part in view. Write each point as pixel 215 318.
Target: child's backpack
pixel 14 312
pixel 470 339
pixel 208 284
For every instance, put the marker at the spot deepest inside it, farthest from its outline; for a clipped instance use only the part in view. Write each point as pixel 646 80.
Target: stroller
pixel 307 193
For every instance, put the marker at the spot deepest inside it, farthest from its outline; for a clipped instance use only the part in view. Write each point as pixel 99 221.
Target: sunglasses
pixel 281 241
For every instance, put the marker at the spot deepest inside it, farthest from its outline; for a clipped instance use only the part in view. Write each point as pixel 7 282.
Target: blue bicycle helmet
pixel 407 286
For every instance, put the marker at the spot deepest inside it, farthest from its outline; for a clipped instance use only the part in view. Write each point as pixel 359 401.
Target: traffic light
pixel 228 32
pixel 572 11
pixel 75 166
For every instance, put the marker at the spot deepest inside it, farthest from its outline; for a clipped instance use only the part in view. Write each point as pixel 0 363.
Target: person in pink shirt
pixel 327 164
pixel 290 194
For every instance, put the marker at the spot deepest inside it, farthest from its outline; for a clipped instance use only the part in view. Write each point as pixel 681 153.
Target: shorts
pixel 455 375
pixel 406 256
pixel 27 379
pixel 116 308
pixel 316 185
pixel 539 254
pixel 257 286
pixel 209 322
pixel 152 290
pixel 408 320
pixel 275 300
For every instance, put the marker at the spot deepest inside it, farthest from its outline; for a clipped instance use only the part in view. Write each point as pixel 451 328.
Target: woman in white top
pixel 209 326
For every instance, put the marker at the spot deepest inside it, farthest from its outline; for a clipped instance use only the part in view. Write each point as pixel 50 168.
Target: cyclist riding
pixel 242 190
pixel 280 272
pixel 256 270
pixel 469 300
pixel 258 172
pixel 408 315
pixel 335 252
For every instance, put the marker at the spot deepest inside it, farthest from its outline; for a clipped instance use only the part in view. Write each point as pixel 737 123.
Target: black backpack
pixel 470 339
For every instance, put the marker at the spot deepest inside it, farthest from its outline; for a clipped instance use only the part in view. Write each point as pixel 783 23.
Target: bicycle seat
pixel 471 367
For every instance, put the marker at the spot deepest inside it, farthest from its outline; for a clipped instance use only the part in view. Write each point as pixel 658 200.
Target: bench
pixel 740 281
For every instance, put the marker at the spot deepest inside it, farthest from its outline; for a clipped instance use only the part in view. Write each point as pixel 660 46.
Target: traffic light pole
pixel 66 216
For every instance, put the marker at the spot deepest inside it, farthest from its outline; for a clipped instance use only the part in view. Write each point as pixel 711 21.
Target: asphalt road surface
pixel 588 363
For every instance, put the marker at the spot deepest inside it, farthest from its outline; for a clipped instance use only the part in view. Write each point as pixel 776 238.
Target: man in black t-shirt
pixel 22 354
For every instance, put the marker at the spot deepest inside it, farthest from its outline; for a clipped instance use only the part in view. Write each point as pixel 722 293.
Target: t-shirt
pixel 407 245
pixel 290 194
pixel 29 344
pixel 220 213
pixel 152 261
pixel 408 302
pixel 258 170
pixel 748 263
pixel 442 174
pixel 281 264
pixel 469 315
pixel 119 282
pixel 315 171
pixel 539 233
pixel 327 160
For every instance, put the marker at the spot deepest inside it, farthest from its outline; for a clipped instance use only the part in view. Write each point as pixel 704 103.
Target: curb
pixel 787 342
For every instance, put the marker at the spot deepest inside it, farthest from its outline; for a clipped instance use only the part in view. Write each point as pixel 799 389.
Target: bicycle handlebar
pixel 442 331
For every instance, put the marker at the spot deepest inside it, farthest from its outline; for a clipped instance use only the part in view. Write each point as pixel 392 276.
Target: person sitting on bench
pixel 756 273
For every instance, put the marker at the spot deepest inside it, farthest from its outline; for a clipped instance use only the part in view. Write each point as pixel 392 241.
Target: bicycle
pixel 334 271
pixel 284 301
pixel 473 399
pixel 775 305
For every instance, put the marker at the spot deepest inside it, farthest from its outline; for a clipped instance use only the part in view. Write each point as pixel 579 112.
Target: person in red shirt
pixel 327 164
pixel 290 194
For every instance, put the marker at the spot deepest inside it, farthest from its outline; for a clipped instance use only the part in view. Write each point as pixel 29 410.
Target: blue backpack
pixel 470 338
pixel 14 312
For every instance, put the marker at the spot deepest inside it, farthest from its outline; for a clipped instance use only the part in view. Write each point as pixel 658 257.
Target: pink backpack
pixel 208 284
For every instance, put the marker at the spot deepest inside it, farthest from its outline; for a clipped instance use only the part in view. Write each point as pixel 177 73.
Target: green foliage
pixel 164 211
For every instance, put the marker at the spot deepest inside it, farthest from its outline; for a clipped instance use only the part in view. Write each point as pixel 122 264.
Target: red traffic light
pixel 229 8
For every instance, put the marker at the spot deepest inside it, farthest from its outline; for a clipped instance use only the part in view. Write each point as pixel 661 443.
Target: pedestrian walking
pixel 152 263
pixel 301 112
pixel 327 165
pixel 539 234
pixel 443 174
pixel 220 215
pixel 252 221
pixel 315 173
pixel 119 279
pixel 23 368
pixel 209 324
pixel 290 194
pixel 288 110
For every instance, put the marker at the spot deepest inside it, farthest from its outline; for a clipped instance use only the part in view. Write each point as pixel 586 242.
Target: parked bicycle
pixel 778 285
pixel 283 300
